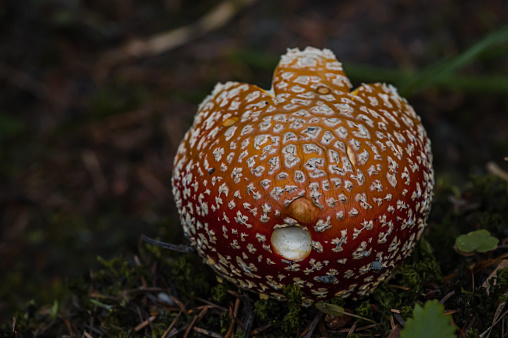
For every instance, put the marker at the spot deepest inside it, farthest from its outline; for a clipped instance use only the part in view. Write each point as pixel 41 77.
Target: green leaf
pixel 443 73
pixel 488 244
pixel 330 309
pixel 102 305
pixel 448 66
pixel 479 240
pixel 428 322
pixel 54 310
pixel 335 310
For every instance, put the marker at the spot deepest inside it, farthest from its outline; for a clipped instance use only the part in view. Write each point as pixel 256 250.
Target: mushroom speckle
pixel 308 184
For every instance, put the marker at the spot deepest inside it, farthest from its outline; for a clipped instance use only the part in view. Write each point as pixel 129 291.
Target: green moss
pixel 337 301
pixel 268 310
pixel 191 276
pixel 493 222
pixel 473 304
pixel 356 335
pixel 473 333
pixel 365 309
pixel 285 316
pixel 408 282
pixel 239 334
pixel 501 279
pixel 490 192
pixel 219 293
pixel 112 295
pixel 291 321
pixel 499 285
pixel 406 311
pixel 481 205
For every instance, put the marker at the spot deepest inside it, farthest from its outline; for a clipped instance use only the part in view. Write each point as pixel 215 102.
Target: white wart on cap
pixel 293 242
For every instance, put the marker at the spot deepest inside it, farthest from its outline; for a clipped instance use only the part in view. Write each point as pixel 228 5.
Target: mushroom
pixel 309 183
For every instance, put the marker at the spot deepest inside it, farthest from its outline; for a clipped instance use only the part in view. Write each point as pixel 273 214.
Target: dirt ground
pixel 92 106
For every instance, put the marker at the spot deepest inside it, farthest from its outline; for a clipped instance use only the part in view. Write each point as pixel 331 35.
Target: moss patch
pixel 152 292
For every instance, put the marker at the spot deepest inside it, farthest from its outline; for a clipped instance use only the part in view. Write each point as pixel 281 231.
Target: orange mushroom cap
pixel 308 184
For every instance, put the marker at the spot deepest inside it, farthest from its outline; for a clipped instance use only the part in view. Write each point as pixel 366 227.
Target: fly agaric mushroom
pixel 309 183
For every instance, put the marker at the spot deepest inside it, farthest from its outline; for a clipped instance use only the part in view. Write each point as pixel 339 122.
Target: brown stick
pixel 163 42
pixel 166 333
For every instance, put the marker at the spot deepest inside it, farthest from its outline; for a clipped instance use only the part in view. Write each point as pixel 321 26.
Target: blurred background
pixel 96 95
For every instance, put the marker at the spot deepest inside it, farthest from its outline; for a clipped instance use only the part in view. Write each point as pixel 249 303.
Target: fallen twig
pixel 399 319
pixel 168 330
pixel 313 325
pixel 207 332
pixel 261 329
pixel 462 334
pixel 446 297
pixel 494 169
pixel 163 42
pixel 212 304
pixel 233 312
pixel 352 329
pixel 144 323
pixel 502 264
pixel 174 247
pixel 249 317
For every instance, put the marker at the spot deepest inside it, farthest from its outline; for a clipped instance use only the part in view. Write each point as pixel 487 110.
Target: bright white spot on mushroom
pixel 293 243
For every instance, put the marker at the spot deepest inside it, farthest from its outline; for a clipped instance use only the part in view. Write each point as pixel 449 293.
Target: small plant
pixel 429 322
pixel 479 241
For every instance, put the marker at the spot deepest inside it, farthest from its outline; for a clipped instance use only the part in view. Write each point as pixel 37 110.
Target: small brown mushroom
pixel 308 184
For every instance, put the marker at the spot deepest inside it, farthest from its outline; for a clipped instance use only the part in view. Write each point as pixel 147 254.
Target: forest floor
pixel 90 118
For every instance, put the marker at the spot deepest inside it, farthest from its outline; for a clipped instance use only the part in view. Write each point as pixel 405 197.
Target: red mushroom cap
pixel 308 184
